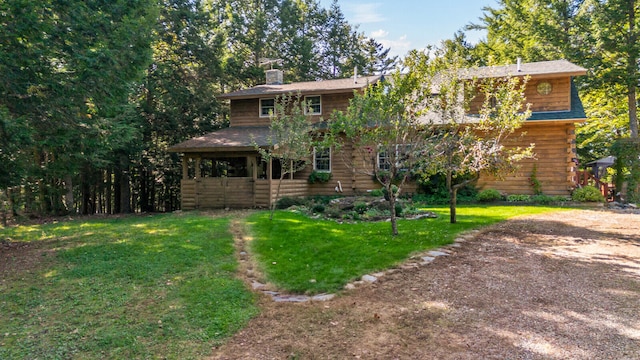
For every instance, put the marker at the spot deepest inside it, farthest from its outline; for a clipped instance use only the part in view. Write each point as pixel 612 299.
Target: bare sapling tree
pixel 290 139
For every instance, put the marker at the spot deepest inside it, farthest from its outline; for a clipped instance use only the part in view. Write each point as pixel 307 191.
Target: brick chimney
pixel 274 77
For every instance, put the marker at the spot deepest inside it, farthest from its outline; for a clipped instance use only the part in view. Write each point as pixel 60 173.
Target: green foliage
pixel 587 194
pixel 377 192
pixel 519 198
pixel 319 177
pixel 318 208
pixel 132 287
pixel 534 182
pixel 360 207
pixel 548 200
pixel 628 166
pixel 294 249
pixel 385 192
pixel 287 202
pixel 489 195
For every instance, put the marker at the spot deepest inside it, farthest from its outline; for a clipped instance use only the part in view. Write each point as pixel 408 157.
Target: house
pixel 223 169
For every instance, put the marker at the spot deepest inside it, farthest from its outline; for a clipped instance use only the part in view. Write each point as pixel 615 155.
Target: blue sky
pixel 403 25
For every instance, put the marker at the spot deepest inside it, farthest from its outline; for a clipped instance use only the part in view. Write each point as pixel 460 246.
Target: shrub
pixel 546 199
pixel 587 194
pixel 319 177
pixel 318 208
pixel 518 198
pixel 376 192
pixel 360 207
pixel 287 202
pixel 488 195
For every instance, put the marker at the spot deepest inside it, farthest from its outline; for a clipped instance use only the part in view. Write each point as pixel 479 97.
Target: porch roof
pixel 237 138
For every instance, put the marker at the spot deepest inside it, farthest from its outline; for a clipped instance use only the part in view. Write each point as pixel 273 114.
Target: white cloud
pixel 399 46
pixel 364 13
pixel 379 34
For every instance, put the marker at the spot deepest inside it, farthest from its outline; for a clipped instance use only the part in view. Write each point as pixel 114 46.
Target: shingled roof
pixel 546 68
pixel 305 88
pixel 237 138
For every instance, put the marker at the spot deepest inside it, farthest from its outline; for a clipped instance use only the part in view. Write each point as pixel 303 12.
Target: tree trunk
pixel 392 204
pixel 632 69
pixel 125 185
pixel 633 111
pixel 453 194
pixel 68 198
pixel 273 205
pixel 108 193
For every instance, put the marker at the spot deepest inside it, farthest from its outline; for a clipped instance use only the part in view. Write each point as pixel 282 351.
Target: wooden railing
pixel 587 178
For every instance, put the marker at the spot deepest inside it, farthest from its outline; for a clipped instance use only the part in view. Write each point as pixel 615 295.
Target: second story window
pixel 313 105
pixel 267 107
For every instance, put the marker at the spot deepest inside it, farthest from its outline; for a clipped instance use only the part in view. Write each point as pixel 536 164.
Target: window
pixel 322 159
pixel 402 154
pixel 313 105
pixel 383 160
pixel 267 107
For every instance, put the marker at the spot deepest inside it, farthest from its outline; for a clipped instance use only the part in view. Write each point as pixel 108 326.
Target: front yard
pixel 159 286
pixel 166 285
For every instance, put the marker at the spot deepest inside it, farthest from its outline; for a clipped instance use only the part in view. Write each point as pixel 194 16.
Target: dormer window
pixel 267 107
pixel 313 105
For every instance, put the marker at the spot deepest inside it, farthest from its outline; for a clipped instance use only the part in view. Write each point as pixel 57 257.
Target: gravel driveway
pixel 554 286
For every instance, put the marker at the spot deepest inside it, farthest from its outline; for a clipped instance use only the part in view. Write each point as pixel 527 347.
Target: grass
pixel 306 255
pixel 159 286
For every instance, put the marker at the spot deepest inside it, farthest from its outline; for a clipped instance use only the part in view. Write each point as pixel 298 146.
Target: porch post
pixel 185 167
pixel 198 163
pixel 270 179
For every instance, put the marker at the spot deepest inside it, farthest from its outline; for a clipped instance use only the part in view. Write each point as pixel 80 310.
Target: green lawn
pixel 314 256
pixel 159 286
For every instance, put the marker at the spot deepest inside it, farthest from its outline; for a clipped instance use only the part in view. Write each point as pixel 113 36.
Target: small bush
pixel 587 194
pixel 488 195
pixel 287 202
pixel 318 208
pixel 360 207
pixel 546 199
pixel 519 198
pixel 319 177
pixel 376 192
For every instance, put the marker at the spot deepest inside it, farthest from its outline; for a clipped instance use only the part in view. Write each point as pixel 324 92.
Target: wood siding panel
pixel 245 112
pixel 554 149
pixel 558 100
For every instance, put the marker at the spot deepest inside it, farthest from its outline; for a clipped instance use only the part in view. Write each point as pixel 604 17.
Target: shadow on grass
pixel 126 288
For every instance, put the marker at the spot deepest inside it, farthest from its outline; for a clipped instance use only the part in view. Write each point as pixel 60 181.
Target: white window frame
pixel 315 159
pixel 307 107
pixel 399 149
pixel 383 160
pixel 272 108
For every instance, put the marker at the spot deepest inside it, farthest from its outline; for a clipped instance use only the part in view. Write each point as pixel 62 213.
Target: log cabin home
pixel 223 168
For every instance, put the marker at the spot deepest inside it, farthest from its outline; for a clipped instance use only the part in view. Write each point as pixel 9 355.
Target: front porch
pixel 234 181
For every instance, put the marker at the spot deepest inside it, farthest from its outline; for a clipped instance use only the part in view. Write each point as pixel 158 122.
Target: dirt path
pixel 553 286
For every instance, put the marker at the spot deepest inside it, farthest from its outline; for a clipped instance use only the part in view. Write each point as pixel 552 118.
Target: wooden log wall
pixel 245 112
pixel 558 100
pixel 554 153
pixel 188 194
pixel 212 193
